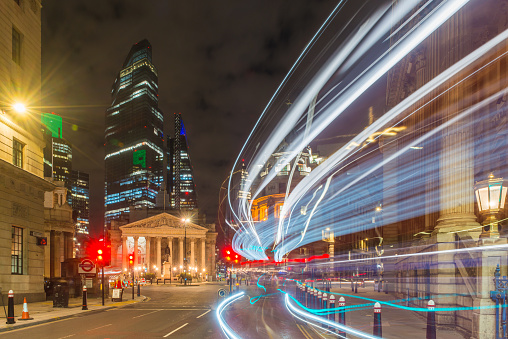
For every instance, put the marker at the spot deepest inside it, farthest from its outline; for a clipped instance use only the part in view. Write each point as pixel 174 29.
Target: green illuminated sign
pixel 139 158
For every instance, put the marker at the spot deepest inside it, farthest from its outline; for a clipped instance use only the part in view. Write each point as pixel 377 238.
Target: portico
pixel 158 245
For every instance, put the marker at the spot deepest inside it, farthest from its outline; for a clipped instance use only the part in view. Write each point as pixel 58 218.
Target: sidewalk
pixel 397 322
pixel 44 311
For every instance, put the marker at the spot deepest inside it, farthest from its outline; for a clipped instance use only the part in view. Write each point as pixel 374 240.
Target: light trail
pixel 228 332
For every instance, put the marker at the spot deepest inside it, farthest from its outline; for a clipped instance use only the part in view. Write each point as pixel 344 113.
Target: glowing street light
pixel 490 195
pixel 19 107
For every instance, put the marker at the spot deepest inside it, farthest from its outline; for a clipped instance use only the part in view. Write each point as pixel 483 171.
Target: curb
pixel 84 313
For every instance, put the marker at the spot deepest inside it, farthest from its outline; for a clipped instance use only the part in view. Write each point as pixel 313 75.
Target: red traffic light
pixel 42 241
pixel 99 254
pixel 131 259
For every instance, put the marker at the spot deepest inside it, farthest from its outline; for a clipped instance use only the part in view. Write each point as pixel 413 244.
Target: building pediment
pixel 161 222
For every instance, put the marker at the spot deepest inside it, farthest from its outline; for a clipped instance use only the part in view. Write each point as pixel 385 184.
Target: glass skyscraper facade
pixel 185 188
pixel 80 200
pixel 133 136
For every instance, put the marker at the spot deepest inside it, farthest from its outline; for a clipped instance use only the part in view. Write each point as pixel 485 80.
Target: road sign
pixel 221 292
pixel 86 266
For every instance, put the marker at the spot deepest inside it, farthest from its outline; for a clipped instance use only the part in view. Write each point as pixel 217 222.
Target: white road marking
pixel 170 333
pixel 138 316
pixel 68 336
pixel 160 309
pixel 93 329
pixel 199 316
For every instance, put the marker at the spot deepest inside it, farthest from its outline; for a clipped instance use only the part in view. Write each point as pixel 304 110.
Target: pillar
pixel 56 254
pixel 47 255
pixel 170 244
pixel 180 246
pixel 203 257
pixel 159 266
pixel 125 265
pixel 193 262
pixel 136 250
pixel 147 254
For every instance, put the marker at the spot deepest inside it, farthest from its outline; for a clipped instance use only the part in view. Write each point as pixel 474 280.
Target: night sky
pixel 219 62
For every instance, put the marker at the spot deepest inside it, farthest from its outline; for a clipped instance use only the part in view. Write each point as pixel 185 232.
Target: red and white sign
pixel 86 266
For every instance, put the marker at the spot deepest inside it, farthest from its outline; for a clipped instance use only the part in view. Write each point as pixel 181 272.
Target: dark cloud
pixel 218 63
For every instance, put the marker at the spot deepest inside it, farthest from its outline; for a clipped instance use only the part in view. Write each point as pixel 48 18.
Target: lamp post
pixel 185 221
pixel 490 195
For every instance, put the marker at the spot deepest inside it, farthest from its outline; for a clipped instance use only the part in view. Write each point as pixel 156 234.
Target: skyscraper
pixel 184 188
pixel 133 135
pixel 80 199
pixel 57 152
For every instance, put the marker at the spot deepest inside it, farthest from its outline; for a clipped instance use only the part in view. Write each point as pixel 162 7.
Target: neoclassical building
pixel 158 244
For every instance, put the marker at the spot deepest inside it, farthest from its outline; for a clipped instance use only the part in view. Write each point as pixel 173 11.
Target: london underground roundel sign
pixel 86 266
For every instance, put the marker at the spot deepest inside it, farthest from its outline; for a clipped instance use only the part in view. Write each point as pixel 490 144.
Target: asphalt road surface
pixel 171 312
pixel 181 312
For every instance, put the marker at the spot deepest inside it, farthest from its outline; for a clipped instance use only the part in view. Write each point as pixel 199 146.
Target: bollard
pixel 342 315
pixel 324 300
pixel 10 308
pixel 431 320
pixel 85 305
pixel 332 305
pixel 356 287
pixel 139 289
pixel 378 330
pixel 319 298
pixel 352 286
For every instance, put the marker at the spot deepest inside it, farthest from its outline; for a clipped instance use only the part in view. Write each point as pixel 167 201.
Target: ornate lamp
pixel 490 195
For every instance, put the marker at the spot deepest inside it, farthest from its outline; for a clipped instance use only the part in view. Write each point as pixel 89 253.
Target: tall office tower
pixel 57 152
pixel 80 199
pixel 184 189
pixel 133 136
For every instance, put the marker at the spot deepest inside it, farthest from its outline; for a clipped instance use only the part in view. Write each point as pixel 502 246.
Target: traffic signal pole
pixel 132 284
pixel 103 286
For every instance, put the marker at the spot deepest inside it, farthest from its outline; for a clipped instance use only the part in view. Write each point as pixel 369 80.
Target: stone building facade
pixel 157 244
pixel 22 184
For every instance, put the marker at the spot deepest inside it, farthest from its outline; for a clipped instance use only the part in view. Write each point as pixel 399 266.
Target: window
pixel 16 46
pixel 17 153
pixel 17 250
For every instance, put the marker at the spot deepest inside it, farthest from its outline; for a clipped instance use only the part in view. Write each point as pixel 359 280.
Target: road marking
pixel 138 316
pixel 305 333
pixel 67 336
pixel 93 329
pixel 161 309
pixel 170 333
pixel 199 316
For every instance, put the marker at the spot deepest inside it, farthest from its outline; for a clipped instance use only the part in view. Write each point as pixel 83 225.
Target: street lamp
pixel 19 107
pixel 490 195
pixel 185 221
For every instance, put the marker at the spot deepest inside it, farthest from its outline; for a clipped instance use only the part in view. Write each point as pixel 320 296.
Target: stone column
pixel 56 254
pixel 159 266
pixel 125 264
pixel 193 262
pixel 203 257
pixel 180 246
pixel 147 254
pixel 136 250
pixel 170 244
pixel 47 255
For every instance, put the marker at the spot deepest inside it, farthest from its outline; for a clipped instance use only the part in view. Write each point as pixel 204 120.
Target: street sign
pixel 221 292
pixel 86 266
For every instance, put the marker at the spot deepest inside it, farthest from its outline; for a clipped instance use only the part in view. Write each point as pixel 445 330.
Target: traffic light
pixel 99 257
pixel 131 260
pixel 231 256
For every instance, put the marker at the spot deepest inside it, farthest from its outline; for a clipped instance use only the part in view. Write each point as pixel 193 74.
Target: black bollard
pixel 324 301
pixel 356 287
pixel 431 320
pixel 332 305
pixel 319 297
pixel 352 286
pixel 342 315
pixel 139 289
pixel 85 304
pixel 10 308
pixel 378 330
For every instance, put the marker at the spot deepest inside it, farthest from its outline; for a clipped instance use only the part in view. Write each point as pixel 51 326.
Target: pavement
pixel 43 311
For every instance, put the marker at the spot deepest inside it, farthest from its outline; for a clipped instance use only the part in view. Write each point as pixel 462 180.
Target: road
pixel 180 312
pixel 171 312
